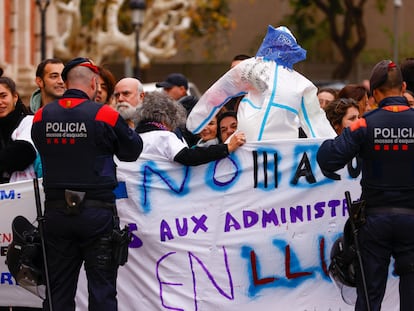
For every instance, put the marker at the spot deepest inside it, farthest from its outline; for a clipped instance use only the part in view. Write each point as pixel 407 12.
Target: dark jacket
pixel 77 139
pixel 188 102
pixel 15 155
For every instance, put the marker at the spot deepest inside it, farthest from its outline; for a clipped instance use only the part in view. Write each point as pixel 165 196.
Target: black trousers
pixel 72 240
pixel 385 235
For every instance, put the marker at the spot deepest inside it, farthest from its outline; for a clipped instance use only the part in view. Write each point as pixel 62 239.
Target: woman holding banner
pixel 158 117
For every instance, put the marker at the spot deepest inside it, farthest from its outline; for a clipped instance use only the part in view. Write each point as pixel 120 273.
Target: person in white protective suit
pixel 278 100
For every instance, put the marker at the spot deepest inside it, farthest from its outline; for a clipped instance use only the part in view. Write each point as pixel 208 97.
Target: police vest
pixel 76 142
pixel 389 152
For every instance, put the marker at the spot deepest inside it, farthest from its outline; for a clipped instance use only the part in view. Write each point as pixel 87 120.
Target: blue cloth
pixel 280 46
pixel 37 165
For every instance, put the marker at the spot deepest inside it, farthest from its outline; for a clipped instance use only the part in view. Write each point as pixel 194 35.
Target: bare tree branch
pixel 347 31
pixel 102 38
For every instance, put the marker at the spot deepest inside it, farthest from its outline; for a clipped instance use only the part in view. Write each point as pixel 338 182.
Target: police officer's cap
pixel 78 61
pixel 380 75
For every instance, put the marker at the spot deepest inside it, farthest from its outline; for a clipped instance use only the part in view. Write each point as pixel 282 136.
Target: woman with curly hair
pixel 341 113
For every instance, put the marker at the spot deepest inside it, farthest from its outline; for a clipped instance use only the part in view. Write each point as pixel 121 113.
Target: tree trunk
pixel 344 25
pixel 343 69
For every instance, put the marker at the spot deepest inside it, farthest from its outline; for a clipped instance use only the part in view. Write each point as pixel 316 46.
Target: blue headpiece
pixel 280 45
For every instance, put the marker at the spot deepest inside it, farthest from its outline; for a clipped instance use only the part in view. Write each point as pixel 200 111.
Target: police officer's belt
pixel 390 210
pixel 84 204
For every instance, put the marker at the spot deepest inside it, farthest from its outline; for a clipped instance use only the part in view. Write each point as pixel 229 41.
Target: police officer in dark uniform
pixel 384 140
pixel 77 139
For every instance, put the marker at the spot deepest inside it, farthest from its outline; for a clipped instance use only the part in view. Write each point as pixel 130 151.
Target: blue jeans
pixel 383 236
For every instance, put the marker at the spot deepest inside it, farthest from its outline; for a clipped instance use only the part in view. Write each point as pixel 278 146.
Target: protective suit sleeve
pixel 230 85
pixel 312 117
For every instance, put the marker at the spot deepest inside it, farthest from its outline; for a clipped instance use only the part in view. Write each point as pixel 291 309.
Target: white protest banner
pixel 254 230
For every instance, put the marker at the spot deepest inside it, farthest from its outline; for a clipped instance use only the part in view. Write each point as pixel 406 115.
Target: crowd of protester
pixel 126 95
pixel 159 117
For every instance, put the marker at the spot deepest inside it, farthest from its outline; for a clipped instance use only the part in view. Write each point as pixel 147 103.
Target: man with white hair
pixel 129 94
